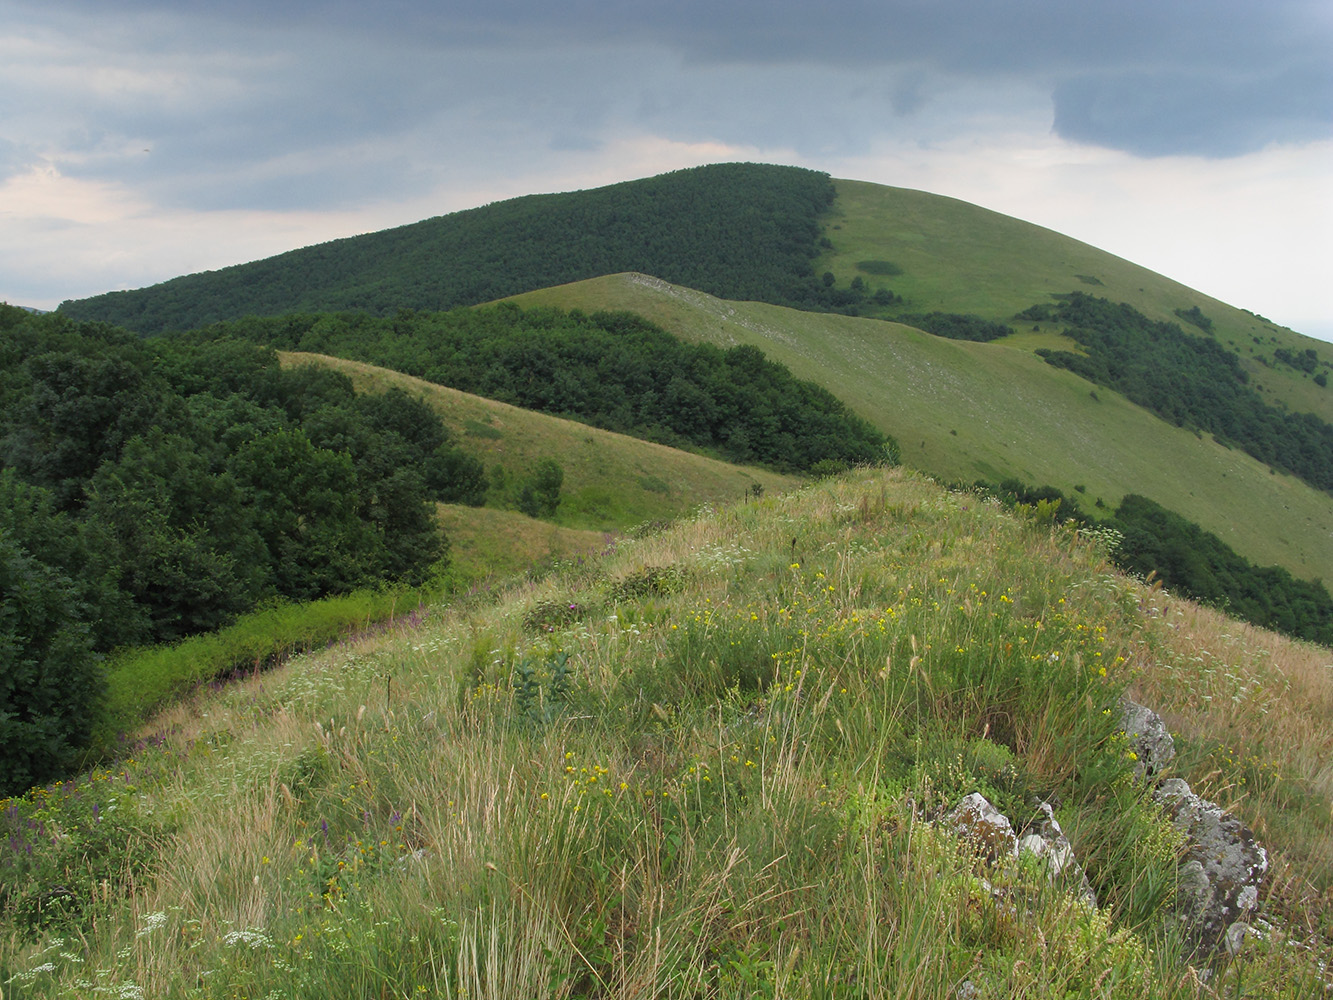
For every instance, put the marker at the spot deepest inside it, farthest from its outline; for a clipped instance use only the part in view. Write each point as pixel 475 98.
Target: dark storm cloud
pixel 1207 77
pixel 1210 77
pixel 1167 111
pixel 303 104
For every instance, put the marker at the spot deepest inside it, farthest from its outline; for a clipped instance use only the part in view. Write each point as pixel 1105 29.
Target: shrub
pixel 539 496
pixel 50 678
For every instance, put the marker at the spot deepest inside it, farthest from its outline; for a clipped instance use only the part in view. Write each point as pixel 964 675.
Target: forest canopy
pixel 737 230
pixel 1188 380
pixel 612 370
pixel 154 489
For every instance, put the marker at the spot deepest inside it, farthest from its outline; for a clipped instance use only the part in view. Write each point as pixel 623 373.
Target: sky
pixel 148 139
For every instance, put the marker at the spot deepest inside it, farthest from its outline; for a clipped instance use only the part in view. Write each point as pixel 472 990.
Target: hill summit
pixel 741 231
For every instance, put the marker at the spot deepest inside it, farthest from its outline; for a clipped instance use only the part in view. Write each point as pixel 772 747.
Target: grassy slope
pixel 1013 414
pixel 497 544
pixel 612 481
pixel 957 257
pixel 381 816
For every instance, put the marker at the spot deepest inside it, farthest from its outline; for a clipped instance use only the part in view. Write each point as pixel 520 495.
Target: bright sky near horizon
pixel 152 138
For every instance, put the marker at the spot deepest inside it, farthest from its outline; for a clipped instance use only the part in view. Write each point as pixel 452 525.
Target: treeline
pixel 1189 380
pixel 956 326
pixel 612 370
pixel 154 489
pixel 740 231
pixel 1192 562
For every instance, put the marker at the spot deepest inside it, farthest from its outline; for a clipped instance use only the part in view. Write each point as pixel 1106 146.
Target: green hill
pixel 740 230
pixel 964 411
pixel 961 410
pixel 716 772
pixel 612 482
pixel 960 258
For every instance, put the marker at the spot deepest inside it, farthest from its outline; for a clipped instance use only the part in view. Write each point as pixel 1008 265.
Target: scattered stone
pixel 1225 864
pixel 1046 840
pixel 975 819
pixel 1217 890
pixel 1148 739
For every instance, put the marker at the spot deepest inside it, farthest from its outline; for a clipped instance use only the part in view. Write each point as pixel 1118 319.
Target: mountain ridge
pixel 924 387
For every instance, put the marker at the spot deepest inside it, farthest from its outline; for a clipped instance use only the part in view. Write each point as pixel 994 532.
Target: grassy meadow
pixel 963 411
pixel 703 763
pixel 612 481
pixel 957 257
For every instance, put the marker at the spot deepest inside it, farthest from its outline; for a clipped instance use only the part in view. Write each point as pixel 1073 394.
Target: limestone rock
pixel 1148 738
pixel 1224 866
pixel 975 819
pixel 1045 839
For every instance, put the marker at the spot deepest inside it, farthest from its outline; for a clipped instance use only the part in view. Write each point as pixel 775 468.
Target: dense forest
pixel 1190 561
pixel 740 231
pixel 956 326
pixel 1197 563
pixel 154 489
pixel 1187 379
pixel 612 370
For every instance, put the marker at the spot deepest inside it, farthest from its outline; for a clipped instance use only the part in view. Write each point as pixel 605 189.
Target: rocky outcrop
pixel 976 820
pixel 1220 873
pixel 1149 740
pixel 1223 867
pixel 1224 864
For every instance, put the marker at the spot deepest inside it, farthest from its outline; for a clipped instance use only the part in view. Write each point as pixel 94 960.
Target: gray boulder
pixel 1223 868
pixel 1046 840
pixel 1148 738
pixel 975 819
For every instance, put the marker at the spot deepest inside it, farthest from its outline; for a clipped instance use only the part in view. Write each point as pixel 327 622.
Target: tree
pixel 303 502
pixel 453 476
pixel 50 678
pixel 539 496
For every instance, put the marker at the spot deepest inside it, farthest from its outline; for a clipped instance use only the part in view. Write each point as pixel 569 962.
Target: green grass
pixel 497 544
pixel 957 257
pixel 964 411
pixel 612 481
pixel 142 681
pixel 712 775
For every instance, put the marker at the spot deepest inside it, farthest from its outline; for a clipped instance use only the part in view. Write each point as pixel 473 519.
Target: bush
pixel 539 496
pixel 50 678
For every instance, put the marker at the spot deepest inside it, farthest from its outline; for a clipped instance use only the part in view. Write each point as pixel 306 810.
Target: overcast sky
pixel 147 139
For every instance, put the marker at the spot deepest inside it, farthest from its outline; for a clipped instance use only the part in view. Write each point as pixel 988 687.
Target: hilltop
pixel 822 248
pixel 741 230
pixel 750 232
pixel 953 256
pixel 709 762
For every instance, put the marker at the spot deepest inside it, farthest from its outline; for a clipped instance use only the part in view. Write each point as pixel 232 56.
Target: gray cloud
pixel 1165 111
pixel 310 104
pixel 14 158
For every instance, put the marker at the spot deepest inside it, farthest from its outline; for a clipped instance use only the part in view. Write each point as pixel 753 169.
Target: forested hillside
pixel 152 489
pixel 741 231
pixel 613 370
pixel 1189 380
